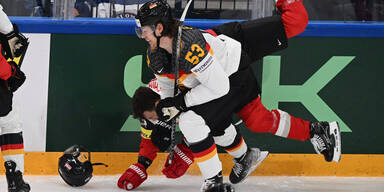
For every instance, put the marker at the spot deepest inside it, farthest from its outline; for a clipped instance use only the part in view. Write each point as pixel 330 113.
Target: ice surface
pixel 192 184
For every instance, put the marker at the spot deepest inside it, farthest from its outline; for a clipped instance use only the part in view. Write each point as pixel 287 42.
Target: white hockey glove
pixel 171 107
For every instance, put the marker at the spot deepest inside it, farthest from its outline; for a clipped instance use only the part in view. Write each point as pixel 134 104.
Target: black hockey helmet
pixel 153 12
pixel 75 167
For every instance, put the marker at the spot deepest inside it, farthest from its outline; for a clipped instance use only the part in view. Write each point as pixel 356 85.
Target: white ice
pixel 192 184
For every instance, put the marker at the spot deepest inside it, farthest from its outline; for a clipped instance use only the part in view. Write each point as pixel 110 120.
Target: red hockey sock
pixel 258 119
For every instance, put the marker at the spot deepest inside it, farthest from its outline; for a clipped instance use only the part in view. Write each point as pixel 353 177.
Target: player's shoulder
pixel 194 48
pixel 192 36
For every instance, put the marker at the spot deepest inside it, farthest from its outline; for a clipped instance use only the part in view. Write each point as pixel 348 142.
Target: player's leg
pixel 246 159
pixel 203 147
pixel 324 136
pixel 12 148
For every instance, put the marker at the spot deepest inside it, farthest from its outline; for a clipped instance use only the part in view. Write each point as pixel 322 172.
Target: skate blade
pixel 335 132
pixel 263 156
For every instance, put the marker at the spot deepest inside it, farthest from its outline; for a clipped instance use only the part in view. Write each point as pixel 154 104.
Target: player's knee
pixel 228 137
pixel 193 127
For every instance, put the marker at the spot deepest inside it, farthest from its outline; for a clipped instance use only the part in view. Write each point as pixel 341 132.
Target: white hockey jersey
pixel 5 25
pixel 205 64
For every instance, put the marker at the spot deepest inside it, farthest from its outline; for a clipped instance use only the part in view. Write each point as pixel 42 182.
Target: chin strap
pixel 93 164
pixel 81 148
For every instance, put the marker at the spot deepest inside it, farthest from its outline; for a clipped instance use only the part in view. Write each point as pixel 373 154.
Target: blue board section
pixel 127 26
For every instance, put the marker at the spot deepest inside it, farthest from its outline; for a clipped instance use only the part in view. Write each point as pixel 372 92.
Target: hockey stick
pixel 175 89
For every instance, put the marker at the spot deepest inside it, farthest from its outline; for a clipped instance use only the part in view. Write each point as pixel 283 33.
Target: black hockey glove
pixel 161 137
pixel 14 43
pixel 171 107
pixel 17 78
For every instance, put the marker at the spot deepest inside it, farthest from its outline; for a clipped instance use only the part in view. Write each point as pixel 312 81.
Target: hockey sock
pixel 232 142
pixel 12 148
pixel 205 154
pixel 258 119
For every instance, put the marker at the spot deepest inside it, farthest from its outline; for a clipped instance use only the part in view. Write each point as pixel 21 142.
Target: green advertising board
pixel 317 78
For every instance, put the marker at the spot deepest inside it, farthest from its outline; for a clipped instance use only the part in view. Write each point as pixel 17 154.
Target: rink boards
pixel 351 165
pixel 81 75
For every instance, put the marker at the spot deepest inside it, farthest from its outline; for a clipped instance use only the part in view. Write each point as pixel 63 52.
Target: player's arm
pixel 264 36
pixel 136 173
pixel 5 28
pixel 5 68
pixel 294 16
pixel 214 82
pixel 14 44
pixel 5 24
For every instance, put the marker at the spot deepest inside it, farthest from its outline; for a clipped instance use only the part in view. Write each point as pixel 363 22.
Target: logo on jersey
pixel 195 54
pixel 154 85
pixel 201 67
pixel 146 133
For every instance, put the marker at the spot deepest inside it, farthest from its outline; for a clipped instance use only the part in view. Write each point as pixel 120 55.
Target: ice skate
pixel 326 139
pixel 15 178
pixel 215 184
pixel 246 164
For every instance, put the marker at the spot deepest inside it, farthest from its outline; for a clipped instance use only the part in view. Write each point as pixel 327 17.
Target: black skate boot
pixel 326 139
pixel 246 164
pixel 15 178
pixel 215 184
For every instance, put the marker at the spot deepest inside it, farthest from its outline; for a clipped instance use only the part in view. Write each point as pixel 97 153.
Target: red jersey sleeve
pixel 147 149
pixel 294 16
pixel 5 68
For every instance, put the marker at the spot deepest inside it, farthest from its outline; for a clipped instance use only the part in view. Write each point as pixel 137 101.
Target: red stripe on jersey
pixel 237 146
pixel 205 152
pixel 12 146
pixel 208 47
pixel 212 32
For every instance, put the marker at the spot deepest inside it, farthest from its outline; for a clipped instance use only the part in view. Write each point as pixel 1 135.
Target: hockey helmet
pixel 75 167
pixel 151 13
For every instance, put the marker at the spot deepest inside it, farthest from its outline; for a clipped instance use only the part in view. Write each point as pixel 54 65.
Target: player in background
pixel 216 80
pixel 156 136
pixel 13 45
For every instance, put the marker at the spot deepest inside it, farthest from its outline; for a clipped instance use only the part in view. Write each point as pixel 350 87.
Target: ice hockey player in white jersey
pixel 215 80
pixel 13 44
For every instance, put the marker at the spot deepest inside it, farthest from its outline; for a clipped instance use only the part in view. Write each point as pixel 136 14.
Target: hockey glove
pixel 182 159
pixel 14 43
pixel 161 137
pixel 133 177
pixel 17 78
pixel 171 107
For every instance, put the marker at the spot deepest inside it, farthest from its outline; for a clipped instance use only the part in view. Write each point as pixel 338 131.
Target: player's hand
pixel 132 177
pixel 14 43
pixel 17 78
pixel 171 107
pixel 182 159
